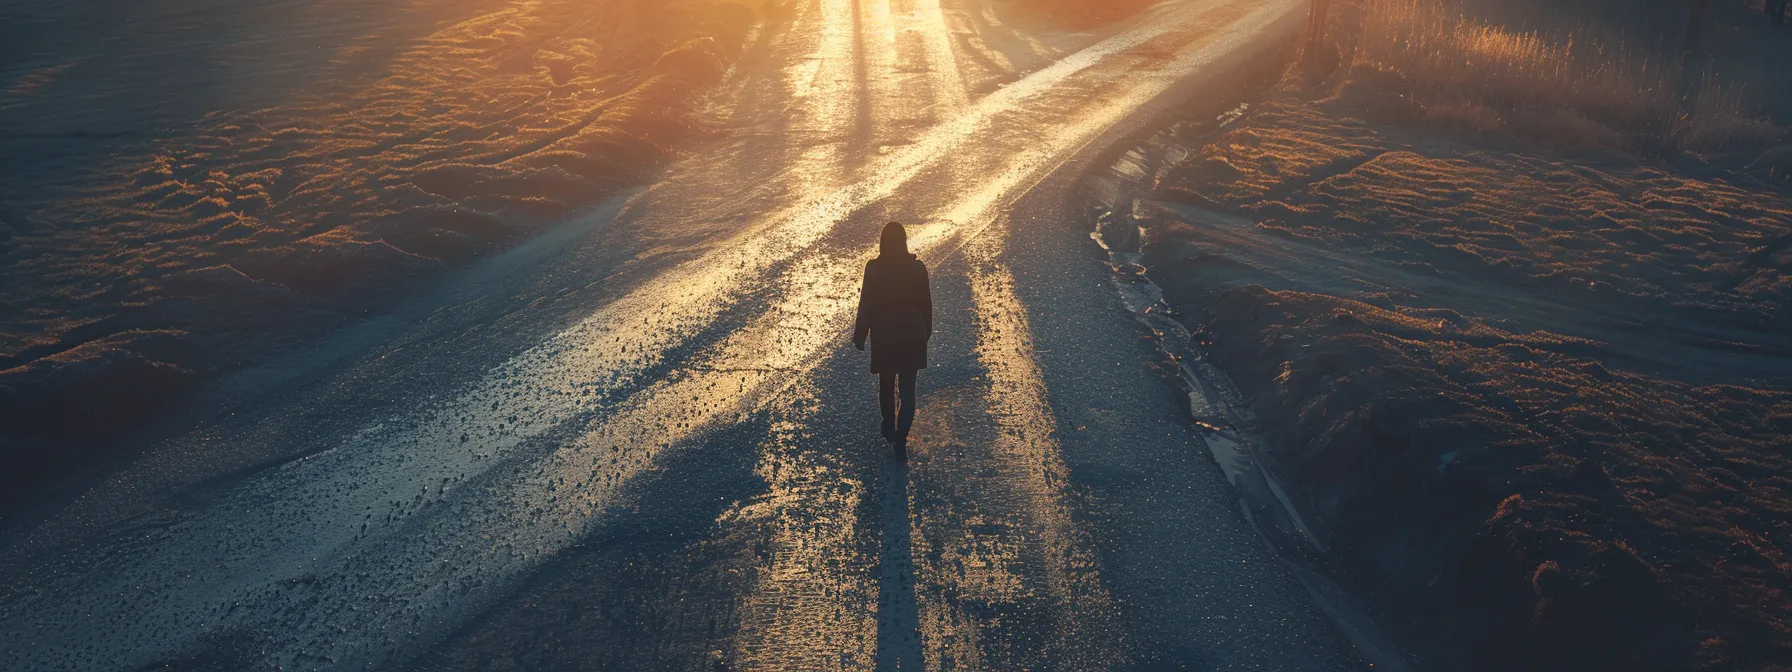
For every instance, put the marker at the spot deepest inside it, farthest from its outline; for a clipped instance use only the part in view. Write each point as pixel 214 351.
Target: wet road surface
pixel 641 442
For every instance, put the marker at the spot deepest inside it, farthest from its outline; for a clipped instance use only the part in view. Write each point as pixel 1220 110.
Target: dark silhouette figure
pixel 896 316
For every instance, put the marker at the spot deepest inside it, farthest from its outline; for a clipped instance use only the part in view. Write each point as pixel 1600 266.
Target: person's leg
pixel 907 383
pixel 886 401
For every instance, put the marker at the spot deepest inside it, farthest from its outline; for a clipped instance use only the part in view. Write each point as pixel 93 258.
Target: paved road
pixel 639 443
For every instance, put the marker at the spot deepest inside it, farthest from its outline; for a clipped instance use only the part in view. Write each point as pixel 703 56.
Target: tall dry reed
pixel 1544 84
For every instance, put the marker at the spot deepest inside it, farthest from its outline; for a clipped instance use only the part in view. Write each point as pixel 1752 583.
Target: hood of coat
pixel 893 244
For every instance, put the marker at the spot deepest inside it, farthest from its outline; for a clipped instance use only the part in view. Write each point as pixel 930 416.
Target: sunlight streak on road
pixel 466 496
pixel 633 333
pixel 948 83
pixel 809 607
pixel 1030 461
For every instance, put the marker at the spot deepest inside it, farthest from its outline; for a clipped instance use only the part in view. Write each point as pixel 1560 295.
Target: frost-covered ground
pixel 1534 382
pixel 192 186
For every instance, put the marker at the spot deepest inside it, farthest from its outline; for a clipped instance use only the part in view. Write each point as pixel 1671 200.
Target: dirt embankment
pixel 129 284
pixel 1527 363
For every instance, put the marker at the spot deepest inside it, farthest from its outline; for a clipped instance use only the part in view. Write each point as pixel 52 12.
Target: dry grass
pixel 1722 122
pixel 1547 88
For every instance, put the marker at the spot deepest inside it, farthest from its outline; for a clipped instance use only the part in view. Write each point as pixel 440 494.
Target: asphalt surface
pixel 643 442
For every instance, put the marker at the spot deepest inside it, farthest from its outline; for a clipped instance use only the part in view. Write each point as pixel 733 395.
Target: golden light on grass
pixel 1570 87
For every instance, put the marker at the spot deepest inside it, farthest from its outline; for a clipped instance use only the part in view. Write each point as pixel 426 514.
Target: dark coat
pixel 896 313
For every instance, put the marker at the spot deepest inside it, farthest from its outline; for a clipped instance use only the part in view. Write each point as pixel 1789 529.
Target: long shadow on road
pixel 898 620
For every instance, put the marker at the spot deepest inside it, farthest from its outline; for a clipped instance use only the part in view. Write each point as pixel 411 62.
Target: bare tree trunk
pixel 1316 21
pixel 1695 27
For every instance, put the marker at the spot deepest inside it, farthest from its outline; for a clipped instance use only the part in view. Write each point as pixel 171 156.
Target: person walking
pixel 896 318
